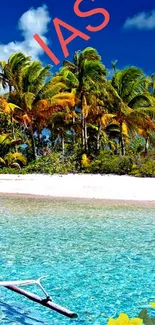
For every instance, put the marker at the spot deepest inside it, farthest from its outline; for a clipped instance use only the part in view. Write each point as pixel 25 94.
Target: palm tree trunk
pixel 13 132
pixel 83 130
pixel 122 144
pixel 39 142
pixel 85 136
pixel 146 146
pixel 34 154
pixel 81 74
pixel 12 122
pixel 83 126
pixel 10 88
pixel 98 138
pixel 63 145
pixel 73 129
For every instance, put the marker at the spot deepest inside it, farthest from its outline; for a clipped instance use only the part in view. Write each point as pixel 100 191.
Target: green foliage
pixel 147 320
pixel 143 167
pixel 128 82
pixel 53 164
pixel 90 119
pixel 136 146
pixel 135 171
pixel 106 163
pixel 148 168
pixel 9 170
pixel 124 165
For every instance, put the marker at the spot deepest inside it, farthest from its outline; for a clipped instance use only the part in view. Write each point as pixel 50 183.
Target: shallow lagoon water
pixel 100 259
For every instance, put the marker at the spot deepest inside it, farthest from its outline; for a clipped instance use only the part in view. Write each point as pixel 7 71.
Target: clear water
pixel 100 259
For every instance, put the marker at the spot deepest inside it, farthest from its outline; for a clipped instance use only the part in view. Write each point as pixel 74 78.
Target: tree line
pixel 77 109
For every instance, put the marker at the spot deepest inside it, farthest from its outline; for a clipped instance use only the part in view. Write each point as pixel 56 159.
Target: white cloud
pixel 31 22
pixel 143 20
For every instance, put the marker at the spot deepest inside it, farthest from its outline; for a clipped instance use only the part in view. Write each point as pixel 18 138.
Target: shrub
pixel 147 169
pixel 135 171
pixel 106 163
pixel 124 165
pixel 53 164
pixel 9 170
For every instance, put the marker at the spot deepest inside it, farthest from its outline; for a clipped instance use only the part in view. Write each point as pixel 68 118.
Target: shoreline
pixel 83 187
pixel 73 200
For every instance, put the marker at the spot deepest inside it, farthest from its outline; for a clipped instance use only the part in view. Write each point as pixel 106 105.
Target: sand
pixel 105 187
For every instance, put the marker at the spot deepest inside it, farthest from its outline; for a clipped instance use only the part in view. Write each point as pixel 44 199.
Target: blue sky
pixel 129 36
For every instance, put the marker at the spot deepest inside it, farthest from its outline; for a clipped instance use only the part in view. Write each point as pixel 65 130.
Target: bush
pixel 144 167
pixel 135 171
pixel 147 169
pixel 53 164
pixel 124 165
pixel 106 163
pixel 9 170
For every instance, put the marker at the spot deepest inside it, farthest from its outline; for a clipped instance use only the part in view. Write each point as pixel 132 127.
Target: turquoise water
pixel 100 259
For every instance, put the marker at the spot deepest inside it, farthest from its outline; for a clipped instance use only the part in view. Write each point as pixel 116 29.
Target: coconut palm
pixel 28 91
pixel 88 70
pixel 132 103
pixel 21 75
pixel 12 71
pixel 7 144
pixel 59 125
pixel 7 112
pixel 34 116
pixel 114 64
pixel 99 110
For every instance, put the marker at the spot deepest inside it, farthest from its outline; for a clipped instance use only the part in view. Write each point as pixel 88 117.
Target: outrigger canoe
pixel 46 302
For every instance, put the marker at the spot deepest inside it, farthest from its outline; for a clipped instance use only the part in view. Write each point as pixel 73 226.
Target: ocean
pixel 99 258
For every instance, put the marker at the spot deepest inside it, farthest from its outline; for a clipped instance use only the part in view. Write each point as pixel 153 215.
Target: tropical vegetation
pixel 78 119
pixel 123 319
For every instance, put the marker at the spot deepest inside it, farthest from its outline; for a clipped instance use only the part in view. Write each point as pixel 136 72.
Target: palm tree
pixel 132 103
pixel 35 115
pixel 59 125
pixel 114 63
pixel 66 81
pixel 99 110
pixel 7 110
pixel 10 77
pixel 152 85
pixel 12 71
pixel 26 81
pixel 7 144
pixel 88 70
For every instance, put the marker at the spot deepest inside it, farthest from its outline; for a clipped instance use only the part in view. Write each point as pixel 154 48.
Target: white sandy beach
pixel 106 187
